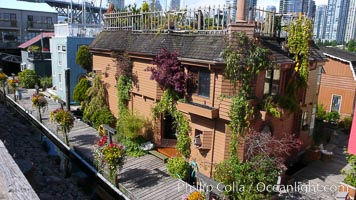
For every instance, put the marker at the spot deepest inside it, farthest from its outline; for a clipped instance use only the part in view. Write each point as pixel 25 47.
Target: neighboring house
pixel 36 56
pixel 338 81
pixel 21 21
pixel 207 111
pixel 64 46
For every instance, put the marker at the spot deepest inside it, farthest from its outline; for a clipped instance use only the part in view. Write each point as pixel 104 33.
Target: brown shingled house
pixel 338 81
pixel 201 54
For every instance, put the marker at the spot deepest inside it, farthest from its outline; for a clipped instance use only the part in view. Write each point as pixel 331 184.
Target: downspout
pixel 214 130
pixel 213 148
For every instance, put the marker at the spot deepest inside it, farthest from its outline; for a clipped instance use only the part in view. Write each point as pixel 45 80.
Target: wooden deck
pixel 325 175
pixel 13 183
pixel 145 177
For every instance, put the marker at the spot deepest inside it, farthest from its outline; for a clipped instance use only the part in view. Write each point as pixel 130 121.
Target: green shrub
pixel 321 113
pixel 133 146
pixel 131 125
pixel 332 116
pixel 46 82
pixel 347 122
pixel 80 90
pixel 28 78
pixel 102 116
pixel 351 173
pixel 178 167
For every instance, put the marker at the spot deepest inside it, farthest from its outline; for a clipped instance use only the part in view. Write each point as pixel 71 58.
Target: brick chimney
pixel 240 23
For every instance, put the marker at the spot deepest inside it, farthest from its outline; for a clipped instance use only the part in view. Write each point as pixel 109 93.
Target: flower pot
pixel 313 154
pixel 344 187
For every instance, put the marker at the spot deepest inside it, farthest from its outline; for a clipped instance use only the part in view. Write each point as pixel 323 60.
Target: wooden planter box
pixel 197 109
pixel 344 187
pixel 313 154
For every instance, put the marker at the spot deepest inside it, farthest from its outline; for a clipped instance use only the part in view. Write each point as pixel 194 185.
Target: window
pixel 30 21
pixel 271 86
pixel 64 48
pixel 335 103
pixel 59 48
pixel 60 81
pixel 59 59
pixel 199 82
pixel 13 20
pixel 312 121
pixel 6 16
pixel 305 120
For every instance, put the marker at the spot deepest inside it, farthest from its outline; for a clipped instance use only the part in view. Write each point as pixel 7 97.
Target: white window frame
pixel 331 103
pixel 312 121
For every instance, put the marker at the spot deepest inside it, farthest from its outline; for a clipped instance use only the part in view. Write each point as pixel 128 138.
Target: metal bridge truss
pixel 10 58
pixel 76 13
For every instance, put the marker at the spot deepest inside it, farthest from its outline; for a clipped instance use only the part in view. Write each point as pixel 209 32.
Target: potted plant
pixel 313 153
pixel 349 183
pixel 109 157
pixel 39 102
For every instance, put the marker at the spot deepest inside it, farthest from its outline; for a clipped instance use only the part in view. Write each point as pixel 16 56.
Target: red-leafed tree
pixel 169 72
pixel 265 145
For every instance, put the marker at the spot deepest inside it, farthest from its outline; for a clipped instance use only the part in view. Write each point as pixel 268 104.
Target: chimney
pixel 240 12
pixel 241 25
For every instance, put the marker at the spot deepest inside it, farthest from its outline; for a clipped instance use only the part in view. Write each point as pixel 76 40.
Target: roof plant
pixel 299 36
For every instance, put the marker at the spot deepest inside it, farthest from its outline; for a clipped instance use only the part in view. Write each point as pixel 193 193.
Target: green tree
pixel 84 58
pixel 27 78
pixel 96 98
pixel 79 93
pixel 145 7
pixel 351 46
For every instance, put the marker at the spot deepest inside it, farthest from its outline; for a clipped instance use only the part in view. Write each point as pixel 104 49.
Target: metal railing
pixel 207 20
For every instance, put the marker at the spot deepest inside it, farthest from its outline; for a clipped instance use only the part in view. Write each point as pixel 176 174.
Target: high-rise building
pixel 320 21
pixel 308 8
pixel 118 4
pixel 336 20
pixel 175 5
pixel 350 33
pixel 290 6
pixel 271 8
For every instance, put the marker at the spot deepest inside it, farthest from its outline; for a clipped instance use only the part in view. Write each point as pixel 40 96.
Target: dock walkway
pixel 145 177
pixel 13 183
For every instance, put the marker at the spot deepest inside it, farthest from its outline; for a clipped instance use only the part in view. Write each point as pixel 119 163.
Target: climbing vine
pixel 171 78
pixel 299 35
pixel 244 59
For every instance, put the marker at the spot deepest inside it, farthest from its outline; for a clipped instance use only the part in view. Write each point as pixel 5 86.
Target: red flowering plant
pixel 13 83
pixel 108 156
pixel 39 101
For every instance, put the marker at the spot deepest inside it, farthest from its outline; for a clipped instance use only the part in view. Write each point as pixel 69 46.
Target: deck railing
pixel 207 20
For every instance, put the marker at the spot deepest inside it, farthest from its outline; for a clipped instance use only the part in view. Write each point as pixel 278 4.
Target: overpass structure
pixel 85 13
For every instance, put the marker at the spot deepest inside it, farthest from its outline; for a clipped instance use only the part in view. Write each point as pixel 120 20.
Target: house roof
pixel 36 39
pixel 341 55
pixel 189 46
pixel 29 6
pixel 202 47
